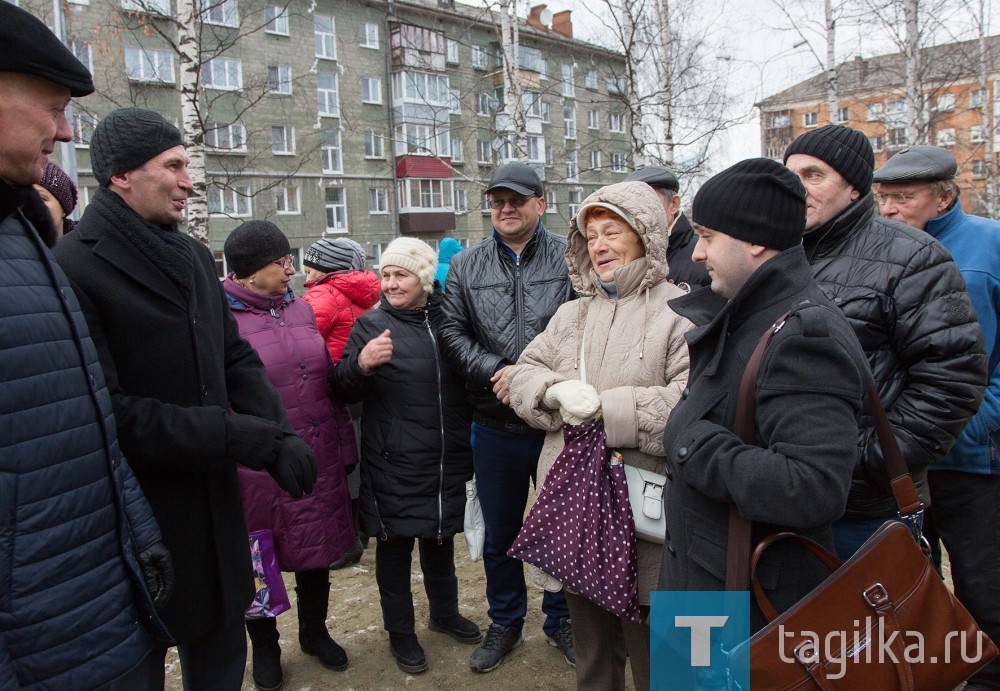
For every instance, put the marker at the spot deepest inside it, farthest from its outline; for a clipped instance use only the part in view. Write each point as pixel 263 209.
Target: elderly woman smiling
pixel 635 359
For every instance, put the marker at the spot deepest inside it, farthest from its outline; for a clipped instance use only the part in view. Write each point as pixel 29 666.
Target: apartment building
pixel 958 109
pixel 359 118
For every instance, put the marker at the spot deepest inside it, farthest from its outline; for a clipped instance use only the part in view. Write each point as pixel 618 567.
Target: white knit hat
pixel 414 255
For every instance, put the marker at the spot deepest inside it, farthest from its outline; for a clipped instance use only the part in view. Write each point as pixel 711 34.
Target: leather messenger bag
pixel 882 620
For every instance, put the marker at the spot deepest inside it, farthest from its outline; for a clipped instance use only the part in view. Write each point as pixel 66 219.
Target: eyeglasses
pixel 898 197
pixel 516 202
pixel 285 262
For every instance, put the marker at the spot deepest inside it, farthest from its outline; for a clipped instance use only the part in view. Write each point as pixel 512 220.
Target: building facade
pixel 363 118
pixel 958 108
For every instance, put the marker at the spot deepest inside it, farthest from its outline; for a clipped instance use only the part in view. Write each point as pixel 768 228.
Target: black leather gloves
pixel 295 468
pixel 158 572
pixel 252 441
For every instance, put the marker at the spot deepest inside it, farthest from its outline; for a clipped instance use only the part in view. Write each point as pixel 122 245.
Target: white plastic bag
pixel 475 526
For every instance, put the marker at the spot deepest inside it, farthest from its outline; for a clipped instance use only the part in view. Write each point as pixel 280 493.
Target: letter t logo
pixel 701 636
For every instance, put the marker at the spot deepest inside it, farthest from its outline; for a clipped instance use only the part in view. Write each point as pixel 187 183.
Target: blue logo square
pixel 691 634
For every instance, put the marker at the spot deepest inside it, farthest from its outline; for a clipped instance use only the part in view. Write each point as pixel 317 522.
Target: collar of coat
pixel 853 218
pixel 239 298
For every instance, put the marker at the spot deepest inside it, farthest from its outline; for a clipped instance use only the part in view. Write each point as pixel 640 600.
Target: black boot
pixel 267 674
pixel 313 589
pixel 355 551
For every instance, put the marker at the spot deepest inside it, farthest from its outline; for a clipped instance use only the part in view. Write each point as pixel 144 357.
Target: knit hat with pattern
pixel 128 137
pixel 335 254
pixel 846 150
pixel 414 255
pixel 254 244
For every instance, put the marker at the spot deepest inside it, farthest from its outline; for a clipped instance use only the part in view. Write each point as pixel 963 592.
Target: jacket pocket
pixel 8 525
pixel 873 310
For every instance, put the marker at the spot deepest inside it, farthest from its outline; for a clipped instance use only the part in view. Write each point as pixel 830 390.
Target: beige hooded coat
pixel 634 349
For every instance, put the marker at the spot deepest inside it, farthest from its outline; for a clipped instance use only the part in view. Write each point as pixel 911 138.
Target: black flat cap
pixel 655 176
pixel 516 176
pixel 29 47
pixel 920 162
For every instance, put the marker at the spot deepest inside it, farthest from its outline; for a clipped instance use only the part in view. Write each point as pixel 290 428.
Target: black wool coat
pixel 174 365
pixel 415 422
pixel 680 248
pixel 808 396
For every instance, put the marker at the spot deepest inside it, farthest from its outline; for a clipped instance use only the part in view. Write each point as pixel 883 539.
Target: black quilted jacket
pixel 906 300
pixel 494 307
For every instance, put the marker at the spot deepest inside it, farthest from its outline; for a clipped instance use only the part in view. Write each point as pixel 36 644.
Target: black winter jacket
pixel 416 456
pixel 906 300
pixel 680 247
pixel 494 307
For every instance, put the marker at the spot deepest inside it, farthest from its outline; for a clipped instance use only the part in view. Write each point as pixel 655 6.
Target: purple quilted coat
pixel 317 529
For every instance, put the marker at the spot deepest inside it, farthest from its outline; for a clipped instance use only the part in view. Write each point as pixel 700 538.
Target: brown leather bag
pixel 882 620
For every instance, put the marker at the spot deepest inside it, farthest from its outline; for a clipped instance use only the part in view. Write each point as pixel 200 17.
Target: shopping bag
pixel 270 598
pixel 475 525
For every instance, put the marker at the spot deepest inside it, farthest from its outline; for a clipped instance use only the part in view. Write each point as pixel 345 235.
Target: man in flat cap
pixel 82 567
pixel 176 366
pixel 917 186
pixel 907 302
pixel 681 241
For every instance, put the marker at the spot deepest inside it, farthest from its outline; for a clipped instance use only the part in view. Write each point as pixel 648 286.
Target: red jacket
pixel 337 300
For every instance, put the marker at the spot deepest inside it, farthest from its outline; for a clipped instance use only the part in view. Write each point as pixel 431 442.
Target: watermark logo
pixel 690 633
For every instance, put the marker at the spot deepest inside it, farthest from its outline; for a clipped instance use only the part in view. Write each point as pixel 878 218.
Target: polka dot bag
pixel 580 529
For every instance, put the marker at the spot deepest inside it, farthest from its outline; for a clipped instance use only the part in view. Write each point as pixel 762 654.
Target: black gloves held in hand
pixel 158 572
pixel 252 441
pixel 295 468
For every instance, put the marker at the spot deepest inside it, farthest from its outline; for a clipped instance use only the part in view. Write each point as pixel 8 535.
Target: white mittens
pixel 576 401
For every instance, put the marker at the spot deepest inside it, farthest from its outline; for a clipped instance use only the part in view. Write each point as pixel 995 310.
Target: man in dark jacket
pixel 500 295
pixel 81 562
pixel 175 364
pixel 683 271
pixel 795 477
pixel 905 298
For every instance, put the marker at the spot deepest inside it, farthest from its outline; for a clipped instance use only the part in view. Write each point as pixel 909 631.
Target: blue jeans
pixel 850 533
pixel 505 463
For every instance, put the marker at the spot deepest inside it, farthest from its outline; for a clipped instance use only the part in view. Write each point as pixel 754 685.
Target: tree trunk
pixel 915 131
pixel 831 63
pixel 666 109
pixel 513 93
pixel 188 83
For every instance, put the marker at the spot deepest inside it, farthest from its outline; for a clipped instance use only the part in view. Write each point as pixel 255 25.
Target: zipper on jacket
pixel 519 308
pixel 437 366
pixel 382 535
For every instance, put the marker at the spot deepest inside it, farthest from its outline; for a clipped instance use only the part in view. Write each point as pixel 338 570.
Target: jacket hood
pixel 448 248
pixel 641 201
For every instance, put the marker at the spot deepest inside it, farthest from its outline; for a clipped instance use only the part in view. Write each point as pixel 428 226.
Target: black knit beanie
pixel 846 150
pixel 757 200
pixel 128 137
pixel 252 245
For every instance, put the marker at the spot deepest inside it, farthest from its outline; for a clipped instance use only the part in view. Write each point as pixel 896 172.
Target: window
pixel 977 134
pixel 980 169
pixel 368 35
pixel 878 143
pixel 843 115
pixel 483 102
pixel 454 102
pixel 480 58
pixel 616 85
pixel 550 156
pixel 148 65
pixel 896 137
pixel 550 201
pixel 371 90
pixel 875 111
pixel 572 169
pixel 232 201
pixel 532 104
pixel 378 200
pixel 616 122
pixel 977 98
pixel 329 147
pixel 225 138
pixel 327 101
pixel 485 204
pixel 414 138
pixel 595 159
pixel 619 163
pixel 568 88
pixel 424 88
pixel 593 119
pixel 282 140
pixel 536 148
pixel 287 200
pixel 222 73
pixel 336 210
pixel 945 102
pixel 451 50
pixel 326 39
pixel 374 145
pixel 569 119
pixel 421 193
pixel 780 120
pixel 222 12
pixel 810 119
pixel 945 137
pixel 531 59
pixel 279 79
pixel 590 81
pixel 546 112
pixel 456 151
pixel 276 20
pixel 460 199
pixel 895 105
pixel 83 129
pixel 81 49
pixel 157 6
pixel 574 203
pixel 483 152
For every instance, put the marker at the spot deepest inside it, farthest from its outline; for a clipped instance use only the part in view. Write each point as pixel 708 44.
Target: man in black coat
pixel 795 477
pixel 175 365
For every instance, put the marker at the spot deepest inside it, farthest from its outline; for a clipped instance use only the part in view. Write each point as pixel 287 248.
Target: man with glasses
pixel 907 302
pixel 917 186
pixel 500 295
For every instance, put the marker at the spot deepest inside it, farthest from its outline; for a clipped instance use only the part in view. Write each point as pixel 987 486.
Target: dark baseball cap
pixel 30 47
pixel 655 176
pixel 516 176
pixel 921 162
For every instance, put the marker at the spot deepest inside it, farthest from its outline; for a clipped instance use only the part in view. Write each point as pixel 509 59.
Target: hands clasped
pixel 576 401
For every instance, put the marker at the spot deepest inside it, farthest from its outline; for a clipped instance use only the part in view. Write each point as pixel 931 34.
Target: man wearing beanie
pixel 82 560
pixel 917 186
pixel 750 219
pixel 905 298
pixel 176 366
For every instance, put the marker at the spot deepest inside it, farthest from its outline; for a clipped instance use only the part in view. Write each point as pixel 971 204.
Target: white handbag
pixel 645 494
pixel 475 526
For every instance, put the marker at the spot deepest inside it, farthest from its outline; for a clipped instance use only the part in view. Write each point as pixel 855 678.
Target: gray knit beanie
pixel 252 245
pixel 128 137
pixel 335 254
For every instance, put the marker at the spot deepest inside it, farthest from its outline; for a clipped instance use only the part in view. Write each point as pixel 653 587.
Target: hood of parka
pixel 641 202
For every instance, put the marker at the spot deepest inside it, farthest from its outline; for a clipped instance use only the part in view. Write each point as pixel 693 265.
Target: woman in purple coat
pixel 311 532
